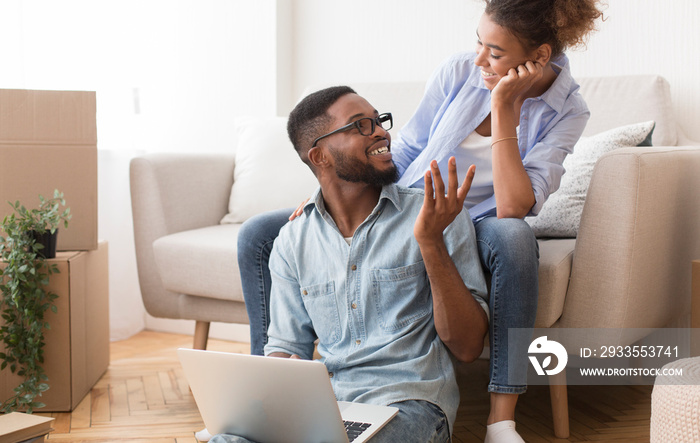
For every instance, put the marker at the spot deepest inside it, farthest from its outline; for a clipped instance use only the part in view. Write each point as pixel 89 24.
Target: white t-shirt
pixel 475 150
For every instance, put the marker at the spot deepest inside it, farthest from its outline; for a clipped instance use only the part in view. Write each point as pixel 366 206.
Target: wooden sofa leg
pixel 201 334
pixel 560 404
pixel 695 310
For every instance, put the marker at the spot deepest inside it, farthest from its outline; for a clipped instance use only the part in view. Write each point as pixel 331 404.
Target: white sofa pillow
pixel 624 100
pixel 269 173
pixel 560 215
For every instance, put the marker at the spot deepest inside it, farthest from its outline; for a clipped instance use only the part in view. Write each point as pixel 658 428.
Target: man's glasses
pixel 366 126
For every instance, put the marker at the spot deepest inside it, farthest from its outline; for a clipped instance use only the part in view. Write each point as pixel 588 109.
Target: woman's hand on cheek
pixel 518 81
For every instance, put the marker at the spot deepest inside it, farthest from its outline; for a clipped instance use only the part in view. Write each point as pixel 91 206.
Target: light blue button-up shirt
pixel 456 102
pixel 370 302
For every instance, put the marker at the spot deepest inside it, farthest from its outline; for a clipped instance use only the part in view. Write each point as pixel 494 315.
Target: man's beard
pixel 355 171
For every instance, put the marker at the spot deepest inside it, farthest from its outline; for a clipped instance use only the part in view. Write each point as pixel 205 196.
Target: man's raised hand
pixel 440 209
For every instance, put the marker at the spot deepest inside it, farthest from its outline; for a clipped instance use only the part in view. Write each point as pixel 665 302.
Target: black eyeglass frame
pixel 379 120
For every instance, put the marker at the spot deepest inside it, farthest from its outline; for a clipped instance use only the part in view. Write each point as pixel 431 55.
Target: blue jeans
pixel 255 239
pixel 509 255
pixel 417 421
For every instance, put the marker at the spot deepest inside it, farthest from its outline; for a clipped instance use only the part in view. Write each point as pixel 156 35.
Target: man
pixel 387 278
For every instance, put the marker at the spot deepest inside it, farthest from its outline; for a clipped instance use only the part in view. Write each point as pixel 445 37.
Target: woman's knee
pixel 260 230
pixel 510 236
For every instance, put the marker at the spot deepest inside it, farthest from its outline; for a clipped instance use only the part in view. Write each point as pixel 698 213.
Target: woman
pixel 512 109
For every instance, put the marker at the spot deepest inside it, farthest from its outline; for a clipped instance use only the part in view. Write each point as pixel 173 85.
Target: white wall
pixel 175 72
pixel 404 40
pixel 391 40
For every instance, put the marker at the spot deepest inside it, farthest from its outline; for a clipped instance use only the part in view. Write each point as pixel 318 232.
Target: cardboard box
pixel 77 345
pixel 48 140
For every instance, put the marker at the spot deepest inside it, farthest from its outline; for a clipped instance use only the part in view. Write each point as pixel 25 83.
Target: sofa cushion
pixel 623 100
pixel 560 215
pixel 201 262
pixel 269 173
pixel 556 257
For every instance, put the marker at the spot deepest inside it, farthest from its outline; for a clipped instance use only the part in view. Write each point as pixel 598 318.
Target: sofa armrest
pixel 640 229
pixel 172 193
pixel 181 191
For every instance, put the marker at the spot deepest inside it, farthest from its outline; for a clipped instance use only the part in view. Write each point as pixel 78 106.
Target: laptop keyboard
pixel 354 428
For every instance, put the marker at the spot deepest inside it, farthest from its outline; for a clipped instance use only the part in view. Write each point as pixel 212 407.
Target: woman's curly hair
pixel 561 23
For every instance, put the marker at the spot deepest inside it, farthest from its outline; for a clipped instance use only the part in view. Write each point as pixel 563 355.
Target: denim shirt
pixel 456 102
pixel 369 303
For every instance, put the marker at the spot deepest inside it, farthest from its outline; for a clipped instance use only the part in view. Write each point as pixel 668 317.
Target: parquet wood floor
pixel 144 397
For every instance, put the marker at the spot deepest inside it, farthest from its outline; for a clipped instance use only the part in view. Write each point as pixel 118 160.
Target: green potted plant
pixel 25 300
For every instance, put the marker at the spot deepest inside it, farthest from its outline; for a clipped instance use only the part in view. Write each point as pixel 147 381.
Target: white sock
pixel 502 432
pixel 203 435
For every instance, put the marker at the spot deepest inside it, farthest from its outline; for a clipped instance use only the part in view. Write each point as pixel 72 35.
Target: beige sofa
pixel 628 267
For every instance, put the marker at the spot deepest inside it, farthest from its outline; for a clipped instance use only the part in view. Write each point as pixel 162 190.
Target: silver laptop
pixel 267 399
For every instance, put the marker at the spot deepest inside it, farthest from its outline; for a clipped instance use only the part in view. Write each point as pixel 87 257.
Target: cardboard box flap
pixel 48 117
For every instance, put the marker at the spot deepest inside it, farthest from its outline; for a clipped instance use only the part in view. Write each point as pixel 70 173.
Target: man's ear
pixel 318 157
pixel 543 54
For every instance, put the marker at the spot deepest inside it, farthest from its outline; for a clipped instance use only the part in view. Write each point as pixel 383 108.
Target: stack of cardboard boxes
pixel 48 140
